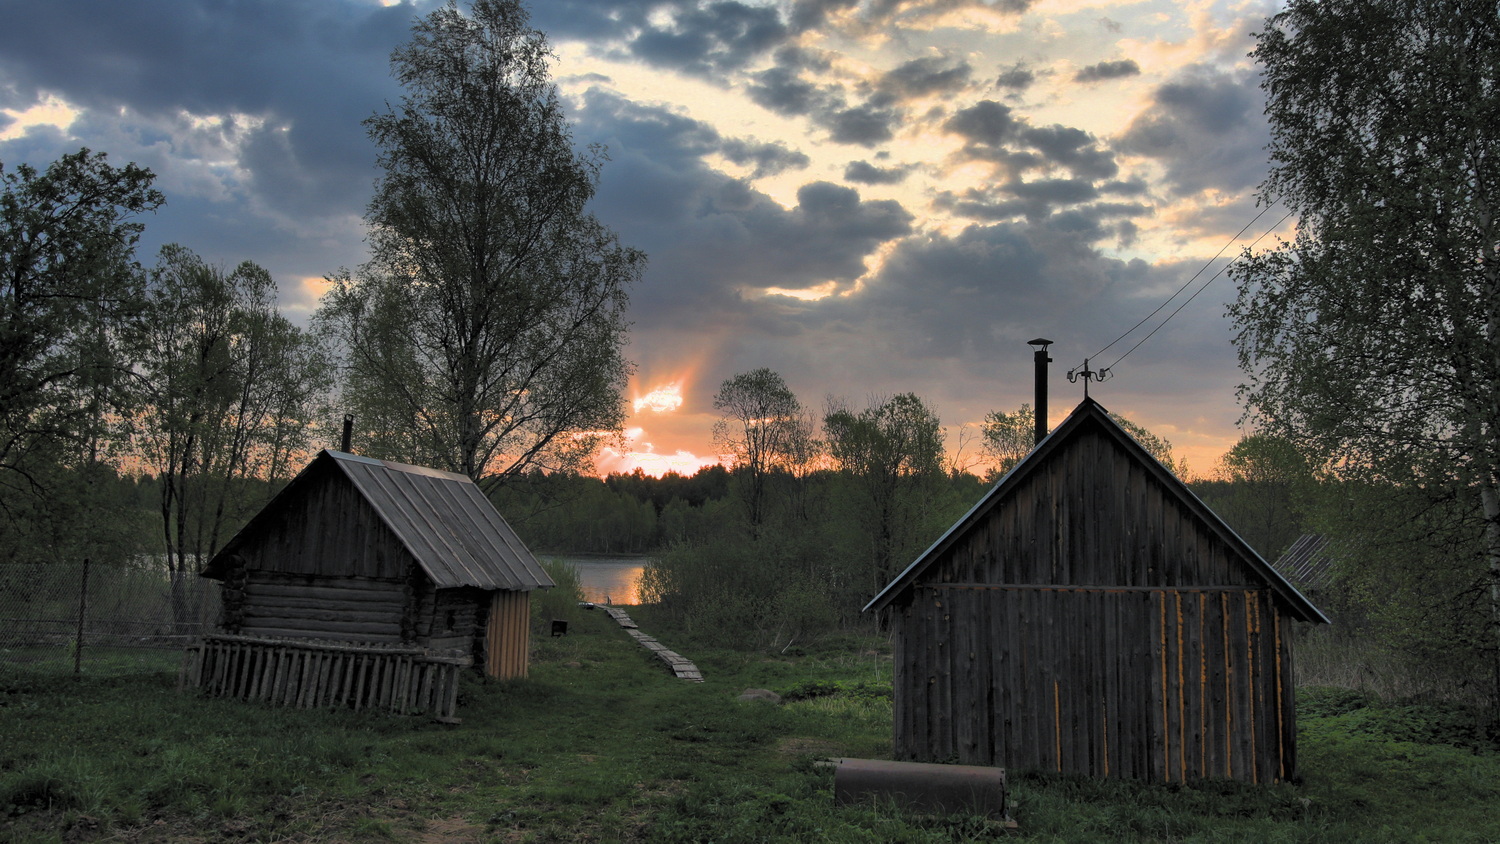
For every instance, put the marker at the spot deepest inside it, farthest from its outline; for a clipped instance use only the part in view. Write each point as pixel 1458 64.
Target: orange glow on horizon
pixel 613 461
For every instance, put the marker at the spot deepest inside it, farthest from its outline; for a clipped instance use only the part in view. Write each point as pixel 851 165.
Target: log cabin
pixel 1090 615
pixel 373 558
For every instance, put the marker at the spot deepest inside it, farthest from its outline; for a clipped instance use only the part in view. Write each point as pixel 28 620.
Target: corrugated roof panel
pixel 1308 563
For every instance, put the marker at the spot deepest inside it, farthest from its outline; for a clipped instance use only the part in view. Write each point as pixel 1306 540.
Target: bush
pixel 561 601
pixel 736 593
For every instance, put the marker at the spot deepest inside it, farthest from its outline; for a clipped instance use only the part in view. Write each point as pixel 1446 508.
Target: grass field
pixel 603 744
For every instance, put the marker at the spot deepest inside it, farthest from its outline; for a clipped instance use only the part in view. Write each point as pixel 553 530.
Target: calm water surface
pixel 608 579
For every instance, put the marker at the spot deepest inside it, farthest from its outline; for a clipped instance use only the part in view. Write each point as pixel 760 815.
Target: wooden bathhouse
pixel 1090 615
pixel 369 583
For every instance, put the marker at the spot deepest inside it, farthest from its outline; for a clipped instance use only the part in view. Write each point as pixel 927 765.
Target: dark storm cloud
pixel 811 14
pixel 710 236
pixel 954 296
pixel 996 135
pixel 1207 128
pixel 865 173
pixel 781 90
pixel 1108 70
pixel 710 40
pixel 316 71
pixel 1071 148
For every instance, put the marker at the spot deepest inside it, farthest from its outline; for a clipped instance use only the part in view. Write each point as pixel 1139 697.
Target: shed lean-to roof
pixel 441 518
pixel 1090 415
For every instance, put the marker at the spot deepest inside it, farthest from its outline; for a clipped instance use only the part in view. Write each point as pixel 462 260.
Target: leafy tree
pixel 230 388
pixel 763 426
pixel 893 451
pixel 1261 488
pixel 68 282
pixel 1157 446
pixel 1008 437
pixel 485 333
pixel 1371 340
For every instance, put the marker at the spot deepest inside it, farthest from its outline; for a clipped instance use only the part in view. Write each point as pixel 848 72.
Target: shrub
pixel 561 601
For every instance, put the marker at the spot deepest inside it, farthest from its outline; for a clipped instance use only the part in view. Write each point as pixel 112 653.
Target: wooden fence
pixel 310 674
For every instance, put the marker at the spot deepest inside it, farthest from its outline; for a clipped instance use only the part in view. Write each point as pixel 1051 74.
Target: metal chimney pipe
pixel 347 441
pixel 1040 405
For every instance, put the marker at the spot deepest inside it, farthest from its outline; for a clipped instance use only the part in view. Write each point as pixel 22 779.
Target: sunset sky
pixel 868 196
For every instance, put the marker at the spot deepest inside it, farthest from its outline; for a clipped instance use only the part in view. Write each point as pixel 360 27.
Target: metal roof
pixel 447 524
pixel 442 519
pixel 1090 412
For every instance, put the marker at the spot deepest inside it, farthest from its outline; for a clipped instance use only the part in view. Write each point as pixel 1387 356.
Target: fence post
pixel 83 605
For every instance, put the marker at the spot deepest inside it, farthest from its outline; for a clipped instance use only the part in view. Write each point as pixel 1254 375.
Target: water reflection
pixel 608 579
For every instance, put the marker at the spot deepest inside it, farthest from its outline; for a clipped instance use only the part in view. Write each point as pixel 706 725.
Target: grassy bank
pixel 603 744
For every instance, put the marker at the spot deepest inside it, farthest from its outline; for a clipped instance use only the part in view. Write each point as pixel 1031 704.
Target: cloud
pixel 1108 70
pixel 1017 78
pixel 768 159
pixel 1072 148
pixel 925 77
pixel 996 135
pixel 712 238
pixel 711 39
pixel 986 122
pixel 1206 127
pixel 864 125
pixel 866 173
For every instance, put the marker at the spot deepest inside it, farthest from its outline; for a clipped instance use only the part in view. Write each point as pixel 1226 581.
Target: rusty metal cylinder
pixel 922 787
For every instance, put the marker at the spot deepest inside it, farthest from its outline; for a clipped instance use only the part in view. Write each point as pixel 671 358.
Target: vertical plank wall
pixel 508 638
pixel 1089 623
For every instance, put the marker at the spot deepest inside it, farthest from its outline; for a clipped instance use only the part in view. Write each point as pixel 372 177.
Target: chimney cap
pixel 1040 341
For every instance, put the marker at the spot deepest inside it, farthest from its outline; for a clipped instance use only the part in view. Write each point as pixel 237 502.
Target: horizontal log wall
pixel 311 675
pixel 303 606
pixel 452 618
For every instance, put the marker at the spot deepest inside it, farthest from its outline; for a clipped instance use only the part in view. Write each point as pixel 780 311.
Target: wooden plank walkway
pixel 680 665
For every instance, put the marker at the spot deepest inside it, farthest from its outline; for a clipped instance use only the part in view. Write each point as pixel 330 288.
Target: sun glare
pixel 663 399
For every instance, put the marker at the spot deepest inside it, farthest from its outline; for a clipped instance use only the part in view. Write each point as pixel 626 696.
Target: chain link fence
pixel 100 619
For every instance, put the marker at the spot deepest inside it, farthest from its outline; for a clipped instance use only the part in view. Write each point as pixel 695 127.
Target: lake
pixel 607 579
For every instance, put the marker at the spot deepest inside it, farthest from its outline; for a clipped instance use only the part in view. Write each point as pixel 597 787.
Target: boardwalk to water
pixel 680 665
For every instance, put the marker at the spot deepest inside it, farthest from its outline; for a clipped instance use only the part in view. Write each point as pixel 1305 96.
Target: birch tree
pixel 485 333
pixel 230 389
pixel 1372 340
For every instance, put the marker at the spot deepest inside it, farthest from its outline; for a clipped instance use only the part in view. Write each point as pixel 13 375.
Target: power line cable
pixel 1202 288
pixel 1185 285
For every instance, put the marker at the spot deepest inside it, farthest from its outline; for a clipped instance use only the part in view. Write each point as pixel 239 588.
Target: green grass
pixel 602 743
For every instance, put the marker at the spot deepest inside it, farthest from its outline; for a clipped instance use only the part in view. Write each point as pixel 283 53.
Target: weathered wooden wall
pixel 1094 624
pixel 1160 685
pixel 355 609
pixel 452 618
pixel 327 528
pixel 509 637
pixel 311 675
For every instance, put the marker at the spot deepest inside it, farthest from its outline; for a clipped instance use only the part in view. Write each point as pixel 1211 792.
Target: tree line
pixel 484 335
